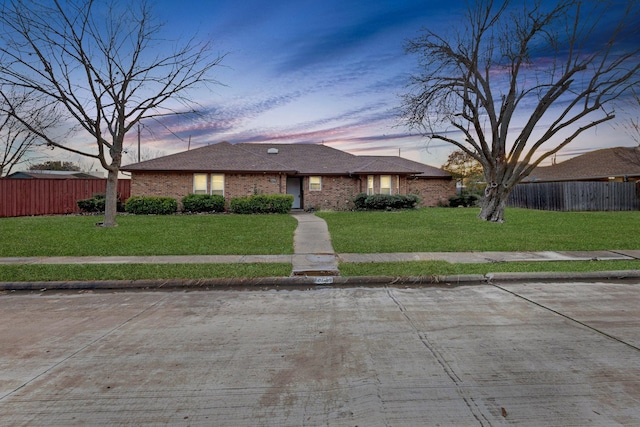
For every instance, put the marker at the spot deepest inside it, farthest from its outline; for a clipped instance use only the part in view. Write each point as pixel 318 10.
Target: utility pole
pixel 138 142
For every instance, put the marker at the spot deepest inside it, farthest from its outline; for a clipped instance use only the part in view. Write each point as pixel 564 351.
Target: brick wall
pixel 179 184
pixel 431 191
pixel 337 193
pixel 166 184
pixel 237 185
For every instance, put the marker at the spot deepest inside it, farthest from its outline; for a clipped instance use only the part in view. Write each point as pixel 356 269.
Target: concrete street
pixel 533 354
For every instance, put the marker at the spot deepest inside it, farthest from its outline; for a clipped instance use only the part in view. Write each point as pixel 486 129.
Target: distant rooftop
pixel 595 165
pixel 47 174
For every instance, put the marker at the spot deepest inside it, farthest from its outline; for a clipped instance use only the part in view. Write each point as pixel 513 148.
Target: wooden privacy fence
pixel 577 196
pixel 26 197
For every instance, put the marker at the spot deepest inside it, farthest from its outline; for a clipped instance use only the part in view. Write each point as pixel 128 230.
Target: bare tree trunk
pixel 493 203
pixel 111 200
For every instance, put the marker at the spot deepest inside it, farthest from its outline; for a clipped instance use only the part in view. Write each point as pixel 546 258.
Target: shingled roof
pixel 595 165
pixel 419 169
pixel 301 159
pixel 221 157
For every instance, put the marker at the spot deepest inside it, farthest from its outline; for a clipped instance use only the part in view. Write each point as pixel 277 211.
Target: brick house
pixel 319 177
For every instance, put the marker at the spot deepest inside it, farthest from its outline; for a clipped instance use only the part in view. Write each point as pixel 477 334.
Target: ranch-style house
pixel 319 177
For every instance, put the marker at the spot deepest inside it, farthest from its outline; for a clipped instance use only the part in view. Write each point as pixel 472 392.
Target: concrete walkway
pixel 313 251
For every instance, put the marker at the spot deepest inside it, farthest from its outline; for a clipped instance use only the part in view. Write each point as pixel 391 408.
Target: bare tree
pixel 17 142
pixel 144 154
pixel 631 126
pixel 559 65
pixel 55 165
pixel 106 64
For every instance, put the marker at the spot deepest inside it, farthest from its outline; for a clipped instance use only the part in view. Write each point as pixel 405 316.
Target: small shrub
pixel 96 204
pixel 465 199
pixel 262 204
pixel 203 203
pixel 141 205
pixel 360 202
pixel 89 205
pixel 385 201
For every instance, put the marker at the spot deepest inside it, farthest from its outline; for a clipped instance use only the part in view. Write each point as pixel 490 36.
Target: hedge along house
pixel 318 176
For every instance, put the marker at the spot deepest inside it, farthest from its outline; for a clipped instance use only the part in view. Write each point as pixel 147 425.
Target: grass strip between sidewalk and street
pixel 57 272
pixel 64 272
pixel 443 268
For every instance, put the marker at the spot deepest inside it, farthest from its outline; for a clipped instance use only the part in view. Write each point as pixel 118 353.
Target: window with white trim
pixel 217 184
pixel 315 183
pixel 385 184
pixel 370 189
pixel 200 183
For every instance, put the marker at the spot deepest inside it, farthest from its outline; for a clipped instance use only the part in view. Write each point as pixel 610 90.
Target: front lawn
pixel 459 230
pixel 147 235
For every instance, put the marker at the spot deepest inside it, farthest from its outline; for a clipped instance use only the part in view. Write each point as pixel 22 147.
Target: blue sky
pixel 312 71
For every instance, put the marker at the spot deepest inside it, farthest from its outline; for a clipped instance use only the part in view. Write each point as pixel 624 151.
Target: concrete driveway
pixel 535 354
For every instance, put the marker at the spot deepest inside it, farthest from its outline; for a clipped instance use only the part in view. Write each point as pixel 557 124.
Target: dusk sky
pixel 312 71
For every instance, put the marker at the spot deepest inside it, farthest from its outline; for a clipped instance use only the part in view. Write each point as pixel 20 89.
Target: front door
pixel 294 187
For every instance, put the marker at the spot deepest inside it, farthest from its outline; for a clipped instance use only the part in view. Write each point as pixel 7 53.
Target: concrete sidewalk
pixel 314 260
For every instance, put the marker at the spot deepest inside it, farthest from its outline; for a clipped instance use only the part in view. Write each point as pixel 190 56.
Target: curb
pixel 308 281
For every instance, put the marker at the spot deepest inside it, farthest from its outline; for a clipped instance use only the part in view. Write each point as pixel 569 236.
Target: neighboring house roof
pixel 595 165
pixel 302 159
pixel 45 174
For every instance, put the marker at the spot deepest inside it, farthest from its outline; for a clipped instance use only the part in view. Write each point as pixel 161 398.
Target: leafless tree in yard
pixel 558 65
pixel 17 142
pixel 146 153
pixel 104 63
pixel 631 126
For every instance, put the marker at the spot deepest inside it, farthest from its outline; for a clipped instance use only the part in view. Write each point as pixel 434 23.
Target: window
pixel 315 183
pixel 200 183
pixel 217 184
pixel 385 184
pixel 370 190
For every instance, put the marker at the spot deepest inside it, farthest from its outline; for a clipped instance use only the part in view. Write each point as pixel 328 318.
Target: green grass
pixel 459 230
pixel 30 273
pixel 147 235
pixel 436 268
pixel 425 230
